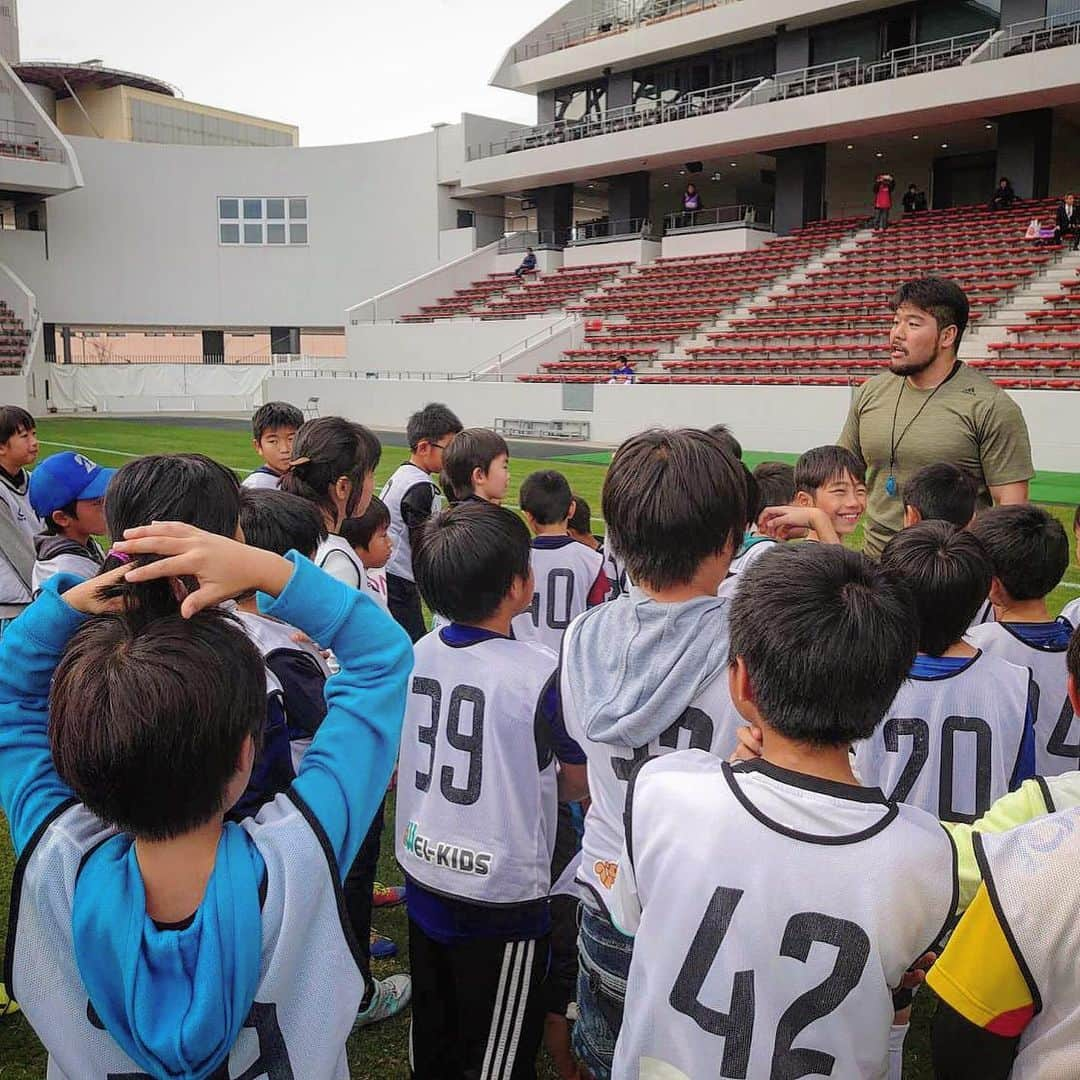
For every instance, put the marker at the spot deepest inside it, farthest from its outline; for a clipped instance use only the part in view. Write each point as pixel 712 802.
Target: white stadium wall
pixel 138 245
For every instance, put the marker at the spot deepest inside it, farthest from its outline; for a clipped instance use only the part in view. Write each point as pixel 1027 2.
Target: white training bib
pixel 710 723
pixel 334 549
pixel 402 481
pixel 949 745
pixel 476 794
pixel 563 577
pixel 774 914
pixel 1057 732
pixel 1030 873
pixel 305 944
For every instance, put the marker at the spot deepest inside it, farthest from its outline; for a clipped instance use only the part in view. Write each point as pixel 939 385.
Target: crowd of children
pixel 709 795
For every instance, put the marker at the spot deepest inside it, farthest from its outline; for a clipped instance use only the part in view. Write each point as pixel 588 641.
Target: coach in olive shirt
pixel 930 407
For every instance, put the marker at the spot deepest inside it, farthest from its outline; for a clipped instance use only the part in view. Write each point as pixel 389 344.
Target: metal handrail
pixel 1051 31
pixel 616 19
pixel 717 216
pixel 926 55
pixel 623 229
pixel 692 103
pixel 816 79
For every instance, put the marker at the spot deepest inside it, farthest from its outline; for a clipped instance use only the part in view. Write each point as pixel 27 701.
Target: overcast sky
pixel 344 70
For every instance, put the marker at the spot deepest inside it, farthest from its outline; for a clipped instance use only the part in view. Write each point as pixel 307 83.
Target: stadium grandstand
pixel 159 255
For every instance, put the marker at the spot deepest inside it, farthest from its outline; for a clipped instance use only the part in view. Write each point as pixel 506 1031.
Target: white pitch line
pixel 236 468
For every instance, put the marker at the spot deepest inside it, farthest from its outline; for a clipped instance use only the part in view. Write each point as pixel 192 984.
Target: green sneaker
pixel 391 996
pixel 8 1006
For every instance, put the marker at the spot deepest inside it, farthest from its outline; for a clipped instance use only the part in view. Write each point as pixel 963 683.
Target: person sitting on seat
pixel 914 200
pixel 1068 221
pixel 1004 196
pixel 622 372
pixel 528 264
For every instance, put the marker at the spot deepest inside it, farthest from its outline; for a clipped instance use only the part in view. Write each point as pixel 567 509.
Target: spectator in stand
pixel 884 184
pixel 528 264
pixel 691 203
pixel 1068 221
pixel 1004 196
pixel 914 200
pixel 622 372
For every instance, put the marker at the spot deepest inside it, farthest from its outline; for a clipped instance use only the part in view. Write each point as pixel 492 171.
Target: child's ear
pixel 911 516
pixel 60 519
pixel 998 595
pixel 573 508
pixel 1074 695
pixel 478 476
pixel 742 693
pixel 803 498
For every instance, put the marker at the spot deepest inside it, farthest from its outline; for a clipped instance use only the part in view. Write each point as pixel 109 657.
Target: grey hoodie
pixel 635 665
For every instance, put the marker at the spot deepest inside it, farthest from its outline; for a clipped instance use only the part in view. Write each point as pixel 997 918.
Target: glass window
pixel 229 209
pixel 230 234
pixel 253 209
pixel 275 209
pixel 297 208
pixel 275 234
pixel 255 220
pixel 253 234
pixel 297 233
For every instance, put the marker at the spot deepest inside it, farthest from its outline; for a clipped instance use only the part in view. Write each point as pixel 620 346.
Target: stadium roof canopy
pixel 62 77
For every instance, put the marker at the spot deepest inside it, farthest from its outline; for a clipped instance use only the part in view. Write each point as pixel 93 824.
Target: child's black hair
pixel 581 519
pixel 325 450
pixel 358 531
pixel 671 499
pixel 279 522
pixel 823 464
pixel 943 492
pixel 147 718
pixel 430 424
pixel 776 484
pixel 14 421
pixel 473 448
pixel 948 572
pixel 191 488
pixel 275 415
pixel 827 638
pixel 465 559
pixel 546 495
pixel 723 435
pixel 1028 548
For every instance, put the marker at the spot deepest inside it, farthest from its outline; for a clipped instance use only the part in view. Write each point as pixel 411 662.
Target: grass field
pixel 381 1053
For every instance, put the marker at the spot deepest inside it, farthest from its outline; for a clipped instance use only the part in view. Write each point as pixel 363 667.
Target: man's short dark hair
pixel 14 421
pixel 273 416
pixel 430 424
pixel 581 519
pixel 279 522
pixel 147 719
pixel 723 435
pixel 358 531
pixel 824 464
pixel 547 496
pixel 948 572
pixel 943 492
pixel 472 448
pixel 1028 549
pixel 827 637
pixel 671 499
pixel 776 483
pixel 466 559
pixel 939 297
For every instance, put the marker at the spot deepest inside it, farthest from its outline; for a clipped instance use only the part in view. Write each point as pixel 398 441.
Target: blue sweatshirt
pixel 175 1000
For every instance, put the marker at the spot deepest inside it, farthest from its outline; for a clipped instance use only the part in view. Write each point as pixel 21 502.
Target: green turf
pixel 381 1053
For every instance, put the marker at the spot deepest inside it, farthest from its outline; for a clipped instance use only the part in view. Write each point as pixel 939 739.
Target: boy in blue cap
pixel 67 491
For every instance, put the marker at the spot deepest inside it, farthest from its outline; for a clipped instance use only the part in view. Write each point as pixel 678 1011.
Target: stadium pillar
pixel 213 346
pixel 545 107
pixel 48 336
pixel 1015 11
pixel 1023 151
pixel 554 212
pixel 628 200
pixel 620 89
pixel 800 187
pixel 792 49
pixel 284 340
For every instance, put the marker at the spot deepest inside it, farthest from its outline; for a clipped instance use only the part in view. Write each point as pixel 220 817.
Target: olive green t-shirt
pixel 970 422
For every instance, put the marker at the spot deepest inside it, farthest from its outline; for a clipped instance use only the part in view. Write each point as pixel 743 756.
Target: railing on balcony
pixel 20 139
pixel 818 79
pixel 1035 35
pixel 719 217
pixel 926 56
pixel 625 118
pixel 617 19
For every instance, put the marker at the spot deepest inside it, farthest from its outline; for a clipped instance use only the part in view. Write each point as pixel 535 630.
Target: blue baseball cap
pixel 63 479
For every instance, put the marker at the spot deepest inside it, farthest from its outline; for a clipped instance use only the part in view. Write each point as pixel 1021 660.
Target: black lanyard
pixel 894 442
